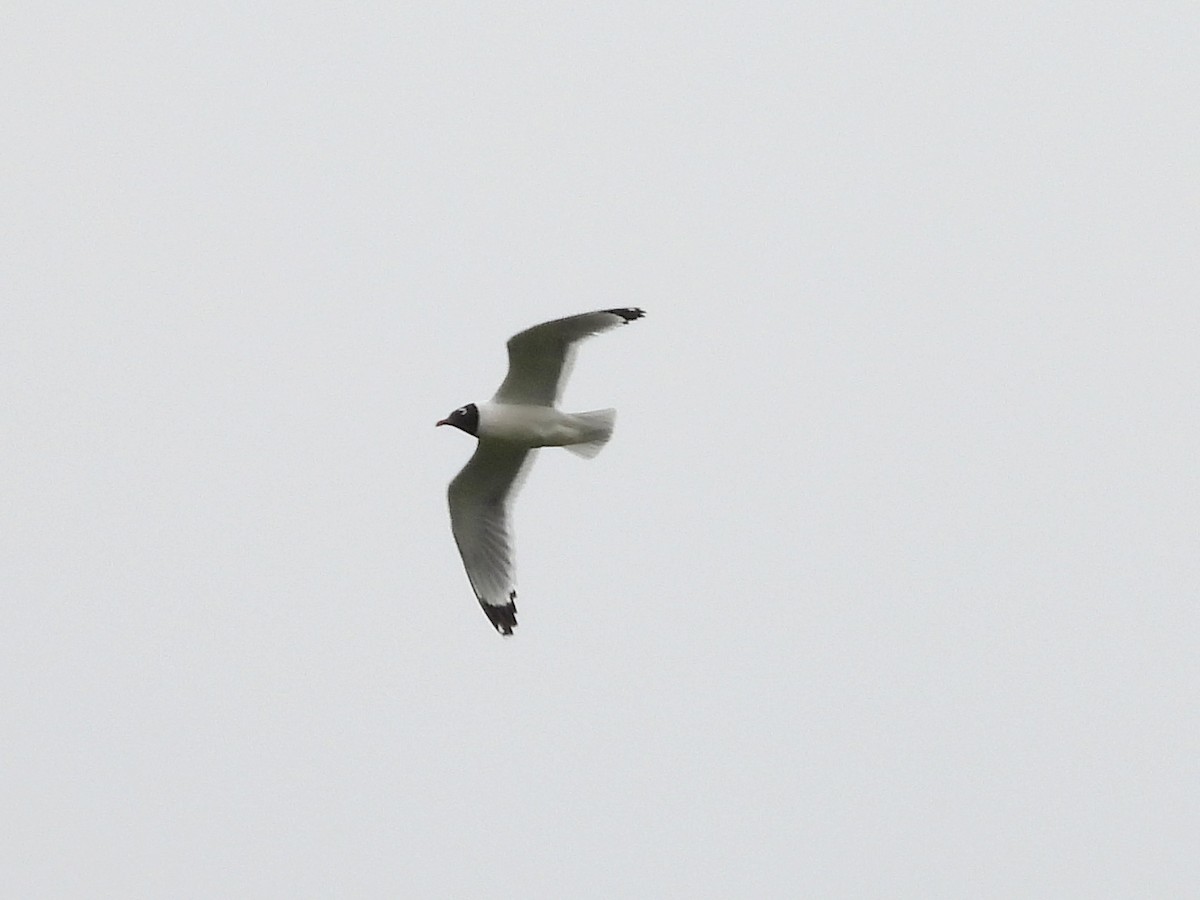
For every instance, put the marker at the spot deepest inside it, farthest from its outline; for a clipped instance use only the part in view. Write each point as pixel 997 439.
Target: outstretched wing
pixel 479 497
pixel 539 358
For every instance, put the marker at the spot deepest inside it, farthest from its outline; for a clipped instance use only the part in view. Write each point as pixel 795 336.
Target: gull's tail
pixel 597 428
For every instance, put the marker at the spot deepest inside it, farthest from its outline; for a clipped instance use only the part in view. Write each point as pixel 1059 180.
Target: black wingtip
pixel 503 618
pixel 628 314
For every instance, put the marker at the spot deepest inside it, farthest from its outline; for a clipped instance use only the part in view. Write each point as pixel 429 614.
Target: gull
pixel 520 418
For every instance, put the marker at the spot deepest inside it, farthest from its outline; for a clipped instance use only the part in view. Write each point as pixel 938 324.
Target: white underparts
pixel 543 426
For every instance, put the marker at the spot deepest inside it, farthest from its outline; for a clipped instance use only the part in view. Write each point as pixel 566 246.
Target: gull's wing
pixel 539 358
pixel 479 497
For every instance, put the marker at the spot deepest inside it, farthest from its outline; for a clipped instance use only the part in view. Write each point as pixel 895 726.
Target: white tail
pixel 597 428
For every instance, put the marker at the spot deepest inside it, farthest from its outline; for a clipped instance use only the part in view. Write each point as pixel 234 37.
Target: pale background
pixel 886 586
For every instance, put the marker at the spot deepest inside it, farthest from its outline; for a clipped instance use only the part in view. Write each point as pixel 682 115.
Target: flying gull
pixel 521 417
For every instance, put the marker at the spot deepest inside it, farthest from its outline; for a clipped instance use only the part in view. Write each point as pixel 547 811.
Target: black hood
pixel 465 418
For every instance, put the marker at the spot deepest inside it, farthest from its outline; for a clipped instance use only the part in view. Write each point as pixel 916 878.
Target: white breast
pixel 527 426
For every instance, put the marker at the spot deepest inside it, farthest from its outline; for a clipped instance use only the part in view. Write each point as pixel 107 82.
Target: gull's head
pixel 466 418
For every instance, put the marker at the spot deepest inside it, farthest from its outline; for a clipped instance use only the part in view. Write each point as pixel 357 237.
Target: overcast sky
pixel 885 587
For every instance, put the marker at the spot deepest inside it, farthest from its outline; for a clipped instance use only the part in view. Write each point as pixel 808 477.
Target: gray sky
pixel 885 587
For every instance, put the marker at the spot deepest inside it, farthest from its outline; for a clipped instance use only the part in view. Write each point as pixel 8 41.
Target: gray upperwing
pixel 539 358
pixel 479 496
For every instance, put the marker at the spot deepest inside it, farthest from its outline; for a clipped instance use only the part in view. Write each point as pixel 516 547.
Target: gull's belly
pixel 529 426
